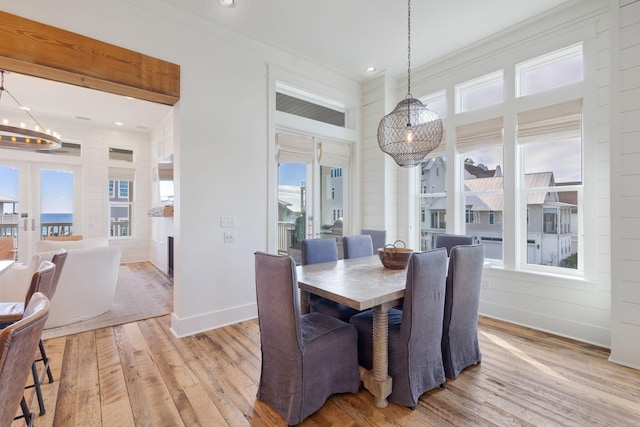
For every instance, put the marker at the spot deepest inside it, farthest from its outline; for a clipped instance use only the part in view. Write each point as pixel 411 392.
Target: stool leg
pixel 45 361
pixel 36 385
pixel 26 414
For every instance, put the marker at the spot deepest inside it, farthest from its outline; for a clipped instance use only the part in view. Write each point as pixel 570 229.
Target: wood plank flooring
pixel 139 374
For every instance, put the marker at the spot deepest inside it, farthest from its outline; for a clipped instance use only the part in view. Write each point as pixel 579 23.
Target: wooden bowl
pixel 395 258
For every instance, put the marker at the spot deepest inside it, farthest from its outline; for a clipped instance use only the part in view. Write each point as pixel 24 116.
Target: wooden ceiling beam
pixel 32 48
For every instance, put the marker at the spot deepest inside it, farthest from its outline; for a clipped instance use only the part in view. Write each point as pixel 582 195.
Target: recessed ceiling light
pixel 370 69
pixel 119 124
pixel 227 3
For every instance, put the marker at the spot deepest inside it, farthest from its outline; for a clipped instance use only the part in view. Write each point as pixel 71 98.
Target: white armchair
pixel 87 283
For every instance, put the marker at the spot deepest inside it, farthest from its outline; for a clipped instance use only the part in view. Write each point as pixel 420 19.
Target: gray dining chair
pixel 460 347
pixel 415 333
pixel 324 250
pixel 357 246
pixel 378 237
pixel 305 358
pixel 448 241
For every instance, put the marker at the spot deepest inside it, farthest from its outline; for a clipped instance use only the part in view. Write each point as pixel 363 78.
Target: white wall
pixel 625 188
pixel 221 141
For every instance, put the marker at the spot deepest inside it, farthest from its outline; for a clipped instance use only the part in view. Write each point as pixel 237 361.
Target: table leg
pixel 304 302
pixel 378 381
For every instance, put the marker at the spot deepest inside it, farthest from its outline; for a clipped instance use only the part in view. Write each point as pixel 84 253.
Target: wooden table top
pixel 360 283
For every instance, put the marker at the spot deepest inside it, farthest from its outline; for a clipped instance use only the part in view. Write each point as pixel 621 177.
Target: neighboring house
pixel 551 232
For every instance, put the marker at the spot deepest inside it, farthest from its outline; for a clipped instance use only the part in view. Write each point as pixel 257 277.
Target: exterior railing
pixel 285 230
pixel 56 229
pixel 120 228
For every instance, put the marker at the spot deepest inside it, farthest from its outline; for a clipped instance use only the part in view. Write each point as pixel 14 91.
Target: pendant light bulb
pixel 409 135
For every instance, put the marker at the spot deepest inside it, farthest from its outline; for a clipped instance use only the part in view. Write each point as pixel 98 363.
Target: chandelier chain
pixel 3 89
pixel 409 50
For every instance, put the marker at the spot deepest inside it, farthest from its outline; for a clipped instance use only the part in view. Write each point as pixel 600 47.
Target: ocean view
pixel 57 218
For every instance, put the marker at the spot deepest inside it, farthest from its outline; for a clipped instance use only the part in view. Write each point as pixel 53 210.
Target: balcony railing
pixel 57 229
pixel 285 231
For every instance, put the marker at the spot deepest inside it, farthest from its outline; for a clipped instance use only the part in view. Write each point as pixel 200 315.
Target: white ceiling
pixel 350 35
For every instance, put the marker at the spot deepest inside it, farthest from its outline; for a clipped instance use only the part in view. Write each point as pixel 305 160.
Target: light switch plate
pixel 227 221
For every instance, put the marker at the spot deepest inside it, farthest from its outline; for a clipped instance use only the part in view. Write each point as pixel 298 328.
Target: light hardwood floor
pixel 139 374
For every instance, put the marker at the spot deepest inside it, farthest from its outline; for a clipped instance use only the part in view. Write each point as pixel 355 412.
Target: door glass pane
pixel 292 208
pixel 9 215
pixel 332 204
pixel 56 203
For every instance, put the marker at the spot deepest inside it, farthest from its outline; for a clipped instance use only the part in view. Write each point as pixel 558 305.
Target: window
pixel 543 151
pixel 479 93
pixel 550 71
pixel 480 145
pixel 304 104
pixel 121 203
pixel 436 102
pixel 123 189
pixel 120 154
pixel 550 141
pixel 433 202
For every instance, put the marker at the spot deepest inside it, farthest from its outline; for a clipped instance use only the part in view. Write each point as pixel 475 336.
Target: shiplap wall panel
pixel 373 163
pixel 626 319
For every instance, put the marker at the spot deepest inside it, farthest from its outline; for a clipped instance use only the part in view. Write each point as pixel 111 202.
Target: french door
pixel 37 200
pixel 311 191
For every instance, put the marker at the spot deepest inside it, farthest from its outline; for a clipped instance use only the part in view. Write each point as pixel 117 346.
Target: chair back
pixel 448 241
pixel 58 259
pixel 278 303
pixel 41 281
pixel 315 251
pixel 6 247
pixel 378 237
pixel 423 306
pixel 460 328
pixel 357 246
pixel 18 344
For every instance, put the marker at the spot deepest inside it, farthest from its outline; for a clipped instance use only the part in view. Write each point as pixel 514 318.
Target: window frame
pixel 515 215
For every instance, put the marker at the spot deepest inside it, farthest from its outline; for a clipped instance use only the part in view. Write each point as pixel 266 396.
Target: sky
pixel 290 177
pixel 56 189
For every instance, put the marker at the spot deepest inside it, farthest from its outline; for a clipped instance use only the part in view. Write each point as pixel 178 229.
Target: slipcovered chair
pixel 415 359
pixel 11 312
pixel 315 251
pixel 305 359
pixel 18 342
pixel 460 328
pixel 378 237
pixel 448 241
pixel 324 250
pixel 357 246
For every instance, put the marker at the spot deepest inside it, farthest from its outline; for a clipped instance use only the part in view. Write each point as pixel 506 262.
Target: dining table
pixel 360 283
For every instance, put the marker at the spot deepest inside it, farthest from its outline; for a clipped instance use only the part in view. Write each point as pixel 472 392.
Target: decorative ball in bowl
pixel 394 257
